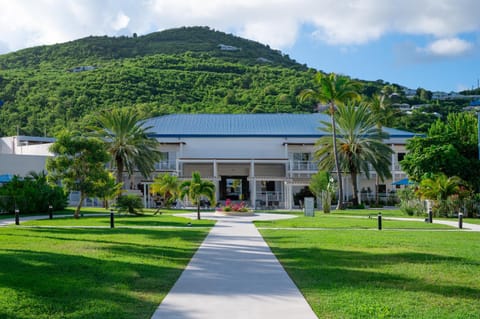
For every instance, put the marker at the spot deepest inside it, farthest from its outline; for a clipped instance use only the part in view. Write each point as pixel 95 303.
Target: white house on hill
pixel 264 159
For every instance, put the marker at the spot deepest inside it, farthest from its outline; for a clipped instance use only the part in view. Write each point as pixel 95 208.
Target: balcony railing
pixel 303 166
pixel 165 165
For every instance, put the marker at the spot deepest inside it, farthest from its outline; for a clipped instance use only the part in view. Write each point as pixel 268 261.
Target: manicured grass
pixel 123 220
pixel 340 221
pixel 388 274
pixel 90 273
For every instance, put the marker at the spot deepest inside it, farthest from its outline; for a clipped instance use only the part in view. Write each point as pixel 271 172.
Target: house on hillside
pixel 263 159
pixel 224 47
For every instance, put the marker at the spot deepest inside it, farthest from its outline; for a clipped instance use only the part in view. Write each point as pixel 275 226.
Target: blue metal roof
pixel 244 125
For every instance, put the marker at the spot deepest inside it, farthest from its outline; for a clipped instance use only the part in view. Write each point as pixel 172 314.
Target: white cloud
pixel 275 22
pixel 447 47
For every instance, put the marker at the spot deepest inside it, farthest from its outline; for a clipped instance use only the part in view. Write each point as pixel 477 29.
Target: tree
pixel 333 90
pixel 450 148
pixel 79 163
pixel 196 188
pixel 321 186
pixel 360 144
pixel 439 188
pixel 127 142
pixel 380 105
pixel 168 186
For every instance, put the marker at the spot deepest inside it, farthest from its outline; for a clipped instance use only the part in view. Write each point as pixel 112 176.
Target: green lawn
pixel 123 220
pixel 90 273
pixel 388 274
pixel 341 221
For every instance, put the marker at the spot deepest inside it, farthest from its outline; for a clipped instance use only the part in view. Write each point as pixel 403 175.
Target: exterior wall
pixel 242 148
pixel 225 169
pixel 205 170
pixel 276 170
pixel 21 164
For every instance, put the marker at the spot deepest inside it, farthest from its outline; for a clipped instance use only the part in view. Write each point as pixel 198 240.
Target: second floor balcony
pixel 165 166
pixel 308 166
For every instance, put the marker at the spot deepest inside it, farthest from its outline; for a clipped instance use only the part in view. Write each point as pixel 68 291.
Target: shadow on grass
pixel 111 280
pixel 326 269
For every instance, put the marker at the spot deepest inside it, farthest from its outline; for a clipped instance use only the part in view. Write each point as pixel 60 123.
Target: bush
pixel 31 195
pixel 131 204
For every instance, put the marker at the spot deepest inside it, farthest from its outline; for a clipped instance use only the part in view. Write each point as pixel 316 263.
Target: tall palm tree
pixel 196 188
pixel 333 90
pixel 360 144
pixel 168 186
pixel 127 142
pixel 380 105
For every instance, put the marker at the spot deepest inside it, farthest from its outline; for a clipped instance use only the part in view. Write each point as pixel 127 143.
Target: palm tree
pixel 196 188
pixel 168 186
pixel 380 105
pixel 439 188
pixel 360 144
pixel 127 142
pixel 333 90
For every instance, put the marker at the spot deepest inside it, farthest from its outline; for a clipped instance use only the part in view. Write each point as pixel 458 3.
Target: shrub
pixel 31 195
pixel 131 204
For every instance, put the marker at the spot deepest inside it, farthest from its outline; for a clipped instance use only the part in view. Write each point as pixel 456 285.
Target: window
pixel 400 156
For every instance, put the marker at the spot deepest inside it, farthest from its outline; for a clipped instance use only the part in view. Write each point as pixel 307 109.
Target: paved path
pixel 234 275
pixel 10 221
pixel 466 226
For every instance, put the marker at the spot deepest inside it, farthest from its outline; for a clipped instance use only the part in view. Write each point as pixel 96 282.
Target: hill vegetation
pixel 185 70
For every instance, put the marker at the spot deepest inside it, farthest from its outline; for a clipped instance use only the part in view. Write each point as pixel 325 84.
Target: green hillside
pixel 186 70
pixel 93 50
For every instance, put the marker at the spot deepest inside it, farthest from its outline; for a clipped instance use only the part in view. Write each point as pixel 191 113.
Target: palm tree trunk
pixel 335 154
pixel 119 163
pixel 355 188
pixel 198 209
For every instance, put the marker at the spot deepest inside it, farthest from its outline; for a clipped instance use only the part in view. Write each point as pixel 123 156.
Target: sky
pixel 433 44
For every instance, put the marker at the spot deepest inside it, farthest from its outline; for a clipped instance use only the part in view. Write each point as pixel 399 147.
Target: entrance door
pixel 234 188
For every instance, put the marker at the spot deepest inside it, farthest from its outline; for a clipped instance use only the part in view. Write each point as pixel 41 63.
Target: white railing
pixel 267 200
pixel 303 166
pixel 165 165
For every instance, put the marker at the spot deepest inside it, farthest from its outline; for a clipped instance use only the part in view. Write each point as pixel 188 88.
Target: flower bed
pixel 234 209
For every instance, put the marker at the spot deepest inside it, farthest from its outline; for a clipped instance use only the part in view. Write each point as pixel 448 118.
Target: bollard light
pixel 379 221
pixel 460 220
pixel 112 220
pixel 50 211
pixel 430 216
pixel 17 216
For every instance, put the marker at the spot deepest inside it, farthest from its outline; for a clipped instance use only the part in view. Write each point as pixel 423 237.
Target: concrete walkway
pixel 466 226
pixel 234 275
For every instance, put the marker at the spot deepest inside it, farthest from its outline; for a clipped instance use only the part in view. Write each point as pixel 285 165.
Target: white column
pixel 253 185
pixel 393 158
pixel 215 168
pixel 253 192
pixel 145 195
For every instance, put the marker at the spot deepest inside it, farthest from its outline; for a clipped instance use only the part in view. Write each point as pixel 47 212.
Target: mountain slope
pixel 92 49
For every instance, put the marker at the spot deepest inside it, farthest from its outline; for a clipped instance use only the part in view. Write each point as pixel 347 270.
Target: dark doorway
pixel 234 188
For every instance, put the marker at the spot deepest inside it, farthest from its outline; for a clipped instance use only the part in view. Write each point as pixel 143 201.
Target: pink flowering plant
pixel 234 207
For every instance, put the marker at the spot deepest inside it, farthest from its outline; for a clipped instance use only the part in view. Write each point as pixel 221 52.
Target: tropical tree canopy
pixel 127 142
pixel 360 144
pixel 334 90
pixel 79 163
pixel 166 185
pixel 439 187
pixel 195 188
pixel 450 147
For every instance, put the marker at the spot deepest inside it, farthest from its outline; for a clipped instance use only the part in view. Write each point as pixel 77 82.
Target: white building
pixel 20 155
pixel 264 159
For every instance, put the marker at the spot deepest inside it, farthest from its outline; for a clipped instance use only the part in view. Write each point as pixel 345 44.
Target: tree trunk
pixel 79 206
pixel 198 209
pixel 355 188
pixel 119 163
pixel 335 154
pixel 377 180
